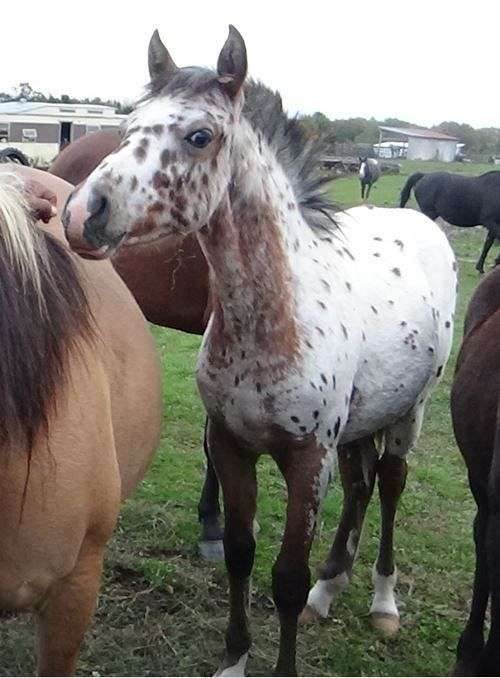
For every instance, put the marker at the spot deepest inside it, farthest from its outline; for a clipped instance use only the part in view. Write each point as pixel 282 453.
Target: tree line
pixel 25 92
pixel 364 131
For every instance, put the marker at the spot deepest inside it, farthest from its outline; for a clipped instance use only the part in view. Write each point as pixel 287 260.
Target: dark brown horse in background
pixel 169 280
pixel 475 401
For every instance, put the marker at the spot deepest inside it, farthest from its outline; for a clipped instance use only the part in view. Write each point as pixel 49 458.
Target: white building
pixel 40 130
pixel 423 144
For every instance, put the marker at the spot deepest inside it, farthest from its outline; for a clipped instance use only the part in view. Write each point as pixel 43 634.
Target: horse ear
pixel 159 60
pixel 232 63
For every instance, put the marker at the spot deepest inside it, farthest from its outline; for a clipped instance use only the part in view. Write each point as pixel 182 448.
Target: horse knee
pixel 239 551
pixel 291 583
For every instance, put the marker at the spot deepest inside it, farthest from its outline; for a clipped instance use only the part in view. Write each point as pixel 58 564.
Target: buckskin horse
pixel 326 328
pixel 80 420
pixel 475 398
pixel 461 201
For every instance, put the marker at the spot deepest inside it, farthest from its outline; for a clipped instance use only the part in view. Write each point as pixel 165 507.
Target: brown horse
pixel 475 399
pixel 80 419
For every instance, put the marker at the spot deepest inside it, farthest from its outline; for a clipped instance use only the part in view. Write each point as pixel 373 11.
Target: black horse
pixel 459 200
pixel 369 172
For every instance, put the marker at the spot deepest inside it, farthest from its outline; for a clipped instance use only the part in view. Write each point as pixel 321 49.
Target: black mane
pixel 298 155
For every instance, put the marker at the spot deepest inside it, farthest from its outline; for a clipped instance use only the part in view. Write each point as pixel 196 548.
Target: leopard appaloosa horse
pixel 326 329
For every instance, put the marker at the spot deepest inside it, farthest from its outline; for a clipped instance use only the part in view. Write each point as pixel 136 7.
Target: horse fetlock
pixel 384 602
pixel 324 592
pixel 233 668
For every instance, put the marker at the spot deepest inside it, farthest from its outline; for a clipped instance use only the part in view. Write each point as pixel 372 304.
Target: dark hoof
pixel 479 270
pixel 213 551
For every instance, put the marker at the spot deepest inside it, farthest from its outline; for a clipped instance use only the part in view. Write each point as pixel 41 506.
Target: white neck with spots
pixel 249 242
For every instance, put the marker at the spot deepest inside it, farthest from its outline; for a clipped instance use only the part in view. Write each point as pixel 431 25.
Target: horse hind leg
pixel 490 239
pixel 391 472
pixel 66 612
pixel 210 545
pixel 471 642
pixel 357 467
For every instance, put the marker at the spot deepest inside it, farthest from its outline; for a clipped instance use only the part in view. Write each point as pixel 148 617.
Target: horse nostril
pixel 98 208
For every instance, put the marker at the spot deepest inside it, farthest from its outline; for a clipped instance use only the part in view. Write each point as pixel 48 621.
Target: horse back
pixel 459 200
pixel 77 160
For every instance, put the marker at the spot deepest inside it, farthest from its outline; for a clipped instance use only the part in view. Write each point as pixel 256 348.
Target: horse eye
pixel 200 138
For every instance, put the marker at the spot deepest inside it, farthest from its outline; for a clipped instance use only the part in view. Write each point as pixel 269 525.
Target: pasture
pixel 163 610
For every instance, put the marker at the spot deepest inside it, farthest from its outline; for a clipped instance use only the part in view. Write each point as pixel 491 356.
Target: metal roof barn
pixel 423 144
pixel 40 130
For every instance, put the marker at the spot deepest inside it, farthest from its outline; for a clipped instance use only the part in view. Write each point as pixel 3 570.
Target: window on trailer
pixel 29 134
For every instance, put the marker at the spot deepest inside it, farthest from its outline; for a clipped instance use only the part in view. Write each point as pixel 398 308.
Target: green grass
pixel 163 610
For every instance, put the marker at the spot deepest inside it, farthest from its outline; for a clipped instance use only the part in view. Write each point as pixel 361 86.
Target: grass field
pixel 163 610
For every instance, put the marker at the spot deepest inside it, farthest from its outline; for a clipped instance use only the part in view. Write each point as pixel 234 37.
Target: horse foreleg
pixel 362 191
pixel 368 189
pixel 471 641
pixel 236 471
pixel 306 472
pixel 490 239
pixel 211 547
pixel 65 614
pixel 357 465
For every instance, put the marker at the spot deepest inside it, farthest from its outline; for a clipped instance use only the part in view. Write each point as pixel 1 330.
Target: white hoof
pixel 213 551
pixel 236 670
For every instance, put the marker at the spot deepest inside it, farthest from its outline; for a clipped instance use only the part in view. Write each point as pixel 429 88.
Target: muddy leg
pixel 236 471
pixel 471 641
pixel 211 547
pixel 357 464
pixel 66 613
pixel 306 471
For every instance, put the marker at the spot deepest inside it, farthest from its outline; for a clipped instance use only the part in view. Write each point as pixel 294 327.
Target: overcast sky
pixel 420 61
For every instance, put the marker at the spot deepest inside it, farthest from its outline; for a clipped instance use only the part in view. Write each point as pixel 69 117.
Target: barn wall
pixel 47 133
pixel 431 149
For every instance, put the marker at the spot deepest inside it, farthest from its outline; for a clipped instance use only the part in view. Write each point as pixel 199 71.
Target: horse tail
pixel 410 183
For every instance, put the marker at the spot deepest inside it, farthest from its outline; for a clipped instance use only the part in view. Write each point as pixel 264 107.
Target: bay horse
pixel 80 420
pixel 326 329
pixel 369 172
pixel 461 201
pixel 475 398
